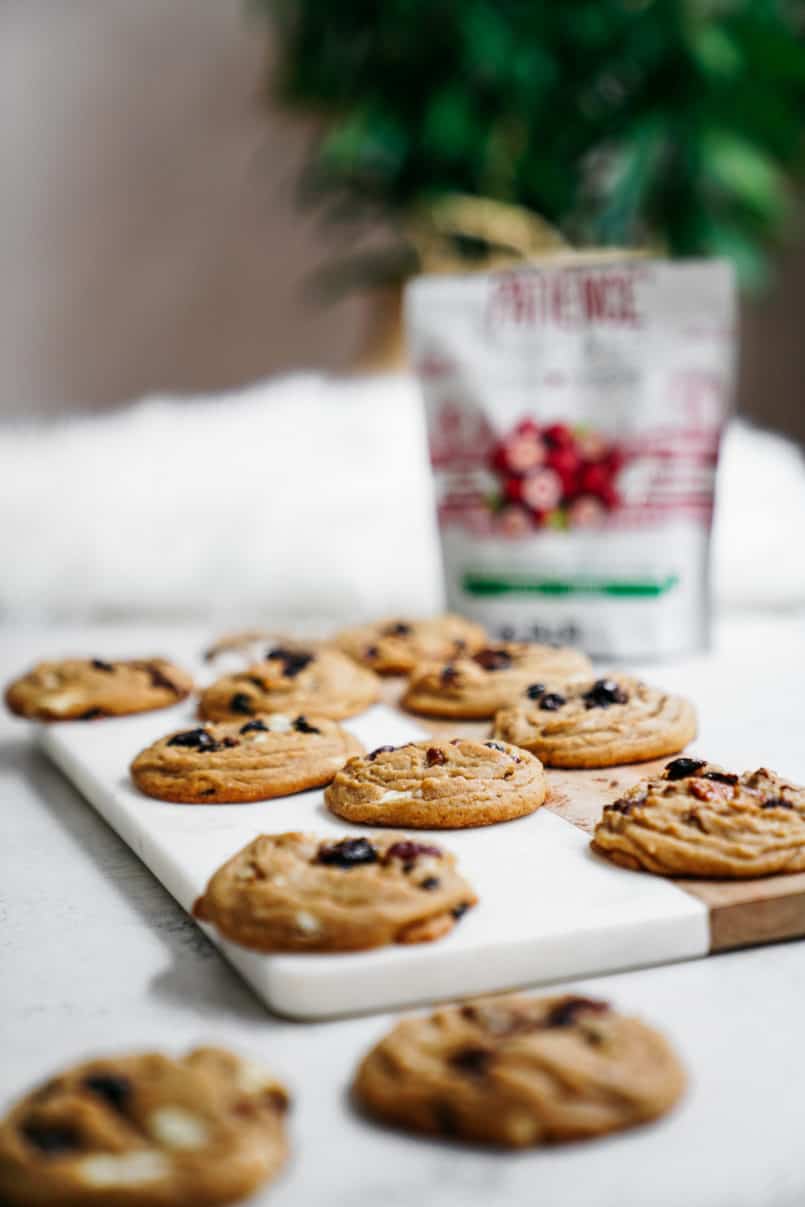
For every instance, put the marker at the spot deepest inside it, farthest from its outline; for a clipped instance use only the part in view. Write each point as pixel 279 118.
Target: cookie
pixel 292 680
pixel 296 892
pixel 438 784
pixel 87 688
pixel 395 646
pixel 597 723
pixel 143 1130
pixel 477 686
pixel 230 761
pixel 520 1071
pixel 698 820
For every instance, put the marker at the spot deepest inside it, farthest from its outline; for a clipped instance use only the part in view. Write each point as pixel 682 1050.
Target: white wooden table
pixel 95 956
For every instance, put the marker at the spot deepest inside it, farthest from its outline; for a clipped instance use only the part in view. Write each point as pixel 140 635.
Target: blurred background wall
pixel 149 237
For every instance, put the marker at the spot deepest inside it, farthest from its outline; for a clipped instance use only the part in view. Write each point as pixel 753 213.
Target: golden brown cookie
pixel 597 723
pixel 438 784
pixel 145 1131
pixel 395 646
pixel 479 685
pixel 698 820
pixel 87 688
pixel 229 761
pixel 292 680
pixel 296 892
pixel 520 1071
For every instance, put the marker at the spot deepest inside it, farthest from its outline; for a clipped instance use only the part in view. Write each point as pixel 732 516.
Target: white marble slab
pixel 549 908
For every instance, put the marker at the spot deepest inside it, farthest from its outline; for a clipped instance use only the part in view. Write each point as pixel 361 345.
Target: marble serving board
pixel 549 908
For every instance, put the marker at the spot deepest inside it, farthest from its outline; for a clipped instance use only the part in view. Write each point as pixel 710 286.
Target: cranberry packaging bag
pixel 574 414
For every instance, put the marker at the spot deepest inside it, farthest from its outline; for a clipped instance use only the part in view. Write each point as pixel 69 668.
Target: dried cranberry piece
pixel 681 769
pixel 472 1061
pixel 100 665
pixel 254 727
pixel 535 690
pixel 552 702
pixel 435 757
pixel 194 739
pixel 397 630
pixel 241 703
pixel 302 725
pixel 51 1138
pixel 493 660
pixel 430 883
pixel 777 802
pixel 372 755
pixel 293 661
pixel 564 1013
pixel 348 853
pixel 409 851
pixel 720 777
pixel 114 1088
pixel 603 693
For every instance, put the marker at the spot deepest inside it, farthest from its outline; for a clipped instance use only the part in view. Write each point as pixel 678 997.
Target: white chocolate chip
pixel 252 1078
pixel 175 1127
pixel 63 702
pixel 124 1169
pixel 308 923
pixel 414 794
pixel 278 723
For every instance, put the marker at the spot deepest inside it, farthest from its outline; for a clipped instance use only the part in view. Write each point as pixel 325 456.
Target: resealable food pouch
pixel 574 415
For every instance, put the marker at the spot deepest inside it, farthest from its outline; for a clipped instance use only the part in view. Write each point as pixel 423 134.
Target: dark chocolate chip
pixel 552 702
pixel 681 769
pixel 397 630
pixel 100 665
pixel 160 679
pixel 112 1087
pixel 348 853
pixel 435 757
pixel 371 651
pixel 229 741
pixel 91 714
pixel 254 727
pixel 241 703
pixel 603 693
pixel 620 806
pixel 496 746
pixel 302 725
pixel 372 755
pixel 565 1012
pixel 493 660
pixel 720 777
pixel 472 1061
pixel 460 910
pixel 449 675
pixel 430 883
pixel 293 661
pixel 51 1138
pixel 257 682
pixel 445 1118
pixel 194 739
pixel 777 802
pixel 535 690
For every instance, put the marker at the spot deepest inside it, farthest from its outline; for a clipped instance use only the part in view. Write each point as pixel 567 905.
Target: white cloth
pixel 299 498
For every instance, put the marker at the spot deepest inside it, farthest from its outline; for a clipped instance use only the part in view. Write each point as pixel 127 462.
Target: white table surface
pixel 95 956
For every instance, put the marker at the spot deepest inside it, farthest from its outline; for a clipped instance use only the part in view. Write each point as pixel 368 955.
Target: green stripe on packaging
pixel 511 584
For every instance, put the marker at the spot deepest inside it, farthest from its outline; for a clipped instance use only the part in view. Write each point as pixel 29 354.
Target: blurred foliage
pixel 676 123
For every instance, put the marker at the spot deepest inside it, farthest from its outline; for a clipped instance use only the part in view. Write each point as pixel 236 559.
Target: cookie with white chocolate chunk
pixel 145 1130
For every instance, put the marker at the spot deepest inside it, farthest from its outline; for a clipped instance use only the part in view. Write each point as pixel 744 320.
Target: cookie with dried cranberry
pixel 597 722
pixel 476 686
pixel 396 647
pixel 234 761
pixel 291 680
pixel 297 892
pixel 145 1131
pixel 87 688
pixel 520 1071
pixel 438 784
pixel 696 819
